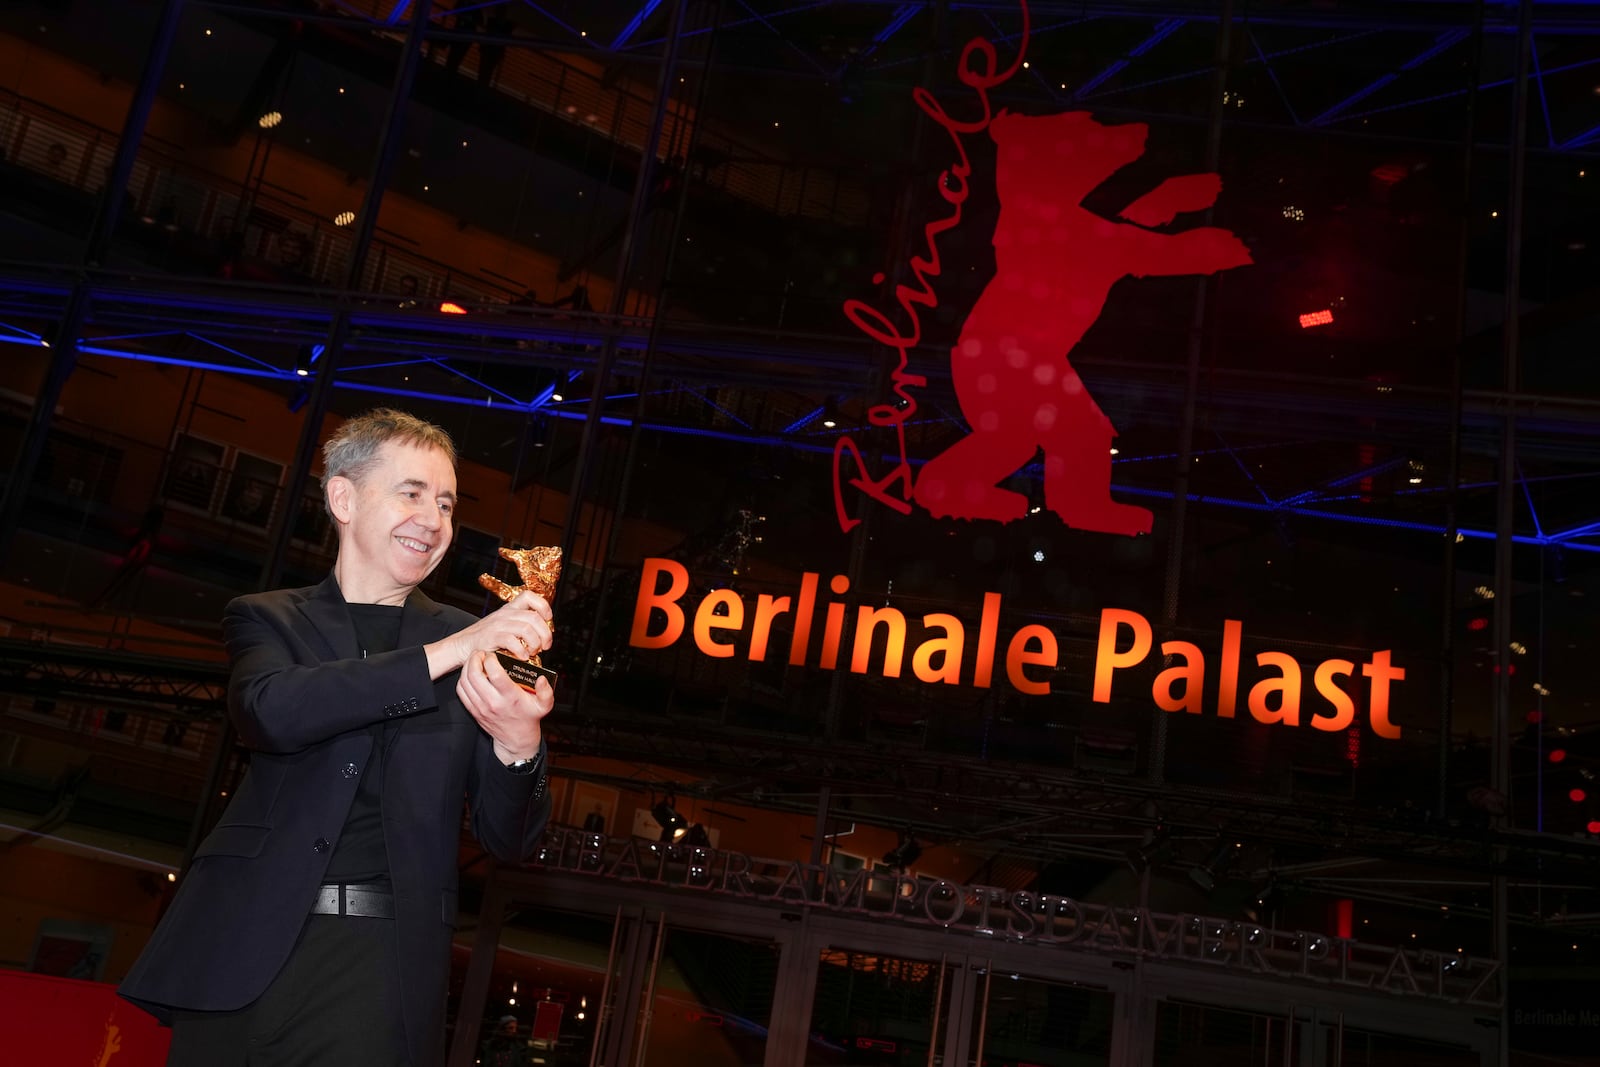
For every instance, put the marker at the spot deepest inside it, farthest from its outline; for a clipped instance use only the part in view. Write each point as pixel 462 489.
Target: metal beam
pixel 1164 29
pixel 1442 43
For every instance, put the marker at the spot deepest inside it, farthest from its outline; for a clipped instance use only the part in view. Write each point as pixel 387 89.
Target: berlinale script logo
pixel 1056 262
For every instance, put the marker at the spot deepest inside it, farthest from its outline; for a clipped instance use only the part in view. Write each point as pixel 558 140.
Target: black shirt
pixel 361 855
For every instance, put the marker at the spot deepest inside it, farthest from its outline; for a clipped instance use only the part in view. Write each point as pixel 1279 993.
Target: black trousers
pixel 336 1003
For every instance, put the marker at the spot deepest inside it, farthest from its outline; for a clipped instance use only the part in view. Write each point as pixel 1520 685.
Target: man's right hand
pixel 520 626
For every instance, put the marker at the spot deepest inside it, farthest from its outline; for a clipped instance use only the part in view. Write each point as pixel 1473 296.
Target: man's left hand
pixel 507 712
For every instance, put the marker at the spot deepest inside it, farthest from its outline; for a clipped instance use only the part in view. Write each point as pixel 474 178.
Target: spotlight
pixel 305 357
pixel 903 854
pixel 1265 901
pixel 673 825
pixel 1205 875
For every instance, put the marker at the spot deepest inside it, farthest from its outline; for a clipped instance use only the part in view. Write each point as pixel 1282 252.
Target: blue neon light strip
pixel 1544 102
pixel 1444 41
pixel 802 420
pixel 901 17
pixel 1436 97
pixel 230 351
pixel 1276 84
pixel 718 407
pixel 1164 29
pixel 1582 139
pixel 1561 538
pixel 633 25
pixel 1210 70
pixel 737 22
pixel 22 335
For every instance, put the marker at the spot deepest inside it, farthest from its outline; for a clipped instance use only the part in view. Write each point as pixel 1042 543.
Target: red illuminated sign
pixel 1316 318
pixel 723 624
pixel 1056 262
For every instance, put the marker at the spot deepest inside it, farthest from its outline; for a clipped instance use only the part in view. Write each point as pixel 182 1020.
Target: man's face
pixel 398 523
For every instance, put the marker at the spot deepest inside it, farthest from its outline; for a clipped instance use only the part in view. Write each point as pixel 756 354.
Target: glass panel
pixel 1197 1035
pixel 1361 1048
pixel 871 1009
pixel 713 1001
pixel 1040 1022
pixel 544 995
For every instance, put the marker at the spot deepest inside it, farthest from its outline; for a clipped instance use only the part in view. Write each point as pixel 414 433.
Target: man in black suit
pixel 314 925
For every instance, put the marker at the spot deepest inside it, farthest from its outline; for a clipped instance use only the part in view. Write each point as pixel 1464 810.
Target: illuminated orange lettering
pixel 1344 708
pixel 834 624
pixel 948 648
pixel 1287 686
pixel 988 630
pixel 1018 656
pixel 1107 659
pixel 767 609
pixel 894 649
pixel 677 585
pixel 1228 673
pixel 708 618
pixel 1382 674
pixel 802 619
pixel 1192 674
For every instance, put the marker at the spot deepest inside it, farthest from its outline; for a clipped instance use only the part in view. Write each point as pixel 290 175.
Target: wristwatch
pixel 525 766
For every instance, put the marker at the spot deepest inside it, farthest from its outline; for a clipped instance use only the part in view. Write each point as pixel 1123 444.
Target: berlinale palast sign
pixel 1056 261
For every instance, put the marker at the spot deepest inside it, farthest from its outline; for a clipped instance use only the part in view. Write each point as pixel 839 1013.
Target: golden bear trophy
pixel 540 569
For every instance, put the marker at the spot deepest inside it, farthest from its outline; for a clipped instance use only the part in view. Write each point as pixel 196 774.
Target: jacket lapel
pixel 420 622
pixel 325 610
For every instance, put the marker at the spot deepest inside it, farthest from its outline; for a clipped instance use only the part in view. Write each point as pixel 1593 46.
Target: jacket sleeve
pixel 281 705
pixel 509 811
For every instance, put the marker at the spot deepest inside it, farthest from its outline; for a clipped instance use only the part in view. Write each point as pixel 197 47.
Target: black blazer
pixel 302 699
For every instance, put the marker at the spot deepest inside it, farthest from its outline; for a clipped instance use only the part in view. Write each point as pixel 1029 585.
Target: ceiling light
pixel 557 397
pixel 344 218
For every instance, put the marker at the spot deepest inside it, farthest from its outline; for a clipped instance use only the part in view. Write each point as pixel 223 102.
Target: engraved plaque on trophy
pixel 540 569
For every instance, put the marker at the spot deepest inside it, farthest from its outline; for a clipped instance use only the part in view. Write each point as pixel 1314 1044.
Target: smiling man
pixel 314 924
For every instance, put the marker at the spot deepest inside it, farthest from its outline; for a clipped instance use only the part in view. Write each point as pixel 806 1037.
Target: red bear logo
pixel 1056 262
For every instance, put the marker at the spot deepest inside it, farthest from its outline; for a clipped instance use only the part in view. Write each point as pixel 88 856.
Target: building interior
pixel 687 281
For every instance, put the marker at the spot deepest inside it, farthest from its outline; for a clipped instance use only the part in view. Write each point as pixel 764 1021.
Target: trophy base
pixel 523 672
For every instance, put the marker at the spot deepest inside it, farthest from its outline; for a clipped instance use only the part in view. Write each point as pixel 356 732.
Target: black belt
pixel 365 901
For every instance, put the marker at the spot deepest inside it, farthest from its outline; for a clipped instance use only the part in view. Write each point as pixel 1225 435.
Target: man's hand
pixel 507 712
pixel 521 627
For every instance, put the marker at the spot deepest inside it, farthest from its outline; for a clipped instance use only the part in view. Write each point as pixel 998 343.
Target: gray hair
pixel 352 452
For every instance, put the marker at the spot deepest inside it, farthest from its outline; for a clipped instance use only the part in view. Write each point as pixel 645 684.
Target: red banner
pixel 65 1022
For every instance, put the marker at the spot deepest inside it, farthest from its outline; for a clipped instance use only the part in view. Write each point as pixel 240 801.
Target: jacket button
pixel 320 845
pixel 349 770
